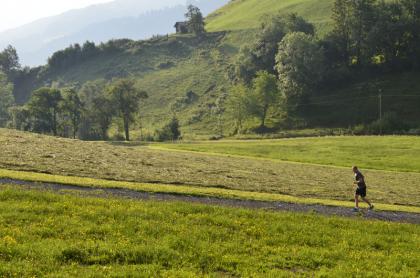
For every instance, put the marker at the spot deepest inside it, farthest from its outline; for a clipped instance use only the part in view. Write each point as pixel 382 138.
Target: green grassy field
pixel 49 235
pixel 391 153
pixel 134 162
pixel 199 191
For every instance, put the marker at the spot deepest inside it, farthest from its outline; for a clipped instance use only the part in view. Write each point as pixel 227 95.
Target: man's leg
pixel 367 201
pixel 356 200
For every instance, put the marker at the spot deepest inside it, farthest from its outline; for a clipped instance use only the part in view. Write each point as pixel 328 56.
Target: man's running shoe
pixel 371 207
pixel 355 210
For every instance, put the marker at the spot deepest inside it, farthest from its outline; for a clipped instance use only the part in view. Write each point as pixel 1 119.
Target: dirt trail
pixel 403 217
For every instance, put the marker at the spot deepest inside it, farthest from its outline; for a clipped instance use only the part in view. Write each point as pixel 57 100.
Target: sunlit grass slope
pixel 48 235
pixel 247 14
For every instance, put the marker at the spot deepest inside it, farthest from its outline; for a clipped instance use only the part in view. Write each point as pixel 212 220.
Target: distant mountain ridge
pixel 134 19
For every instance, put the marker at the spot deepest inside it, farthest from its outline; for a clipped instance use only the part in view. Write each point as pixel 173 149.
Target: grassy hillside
pixel 49 235
pixel 169 67
pixel 247 14
pixel 139 163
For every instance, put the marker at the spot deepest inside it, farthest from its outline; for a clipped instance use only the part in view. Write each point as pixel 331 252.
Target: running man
pixel 361 189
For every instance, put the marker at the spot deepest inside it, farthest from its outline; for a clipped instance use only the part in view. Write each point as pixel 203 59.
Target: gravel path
pixel 403 217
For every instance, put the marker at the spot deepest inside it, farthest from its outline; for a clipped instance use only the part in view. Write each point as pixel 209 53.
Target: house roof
pixel 180 23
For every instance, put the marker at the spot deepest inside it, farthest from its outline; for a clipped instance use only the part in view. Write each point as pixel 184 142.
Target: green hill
pixel 170 67
pixel 247 14
pixel 167 68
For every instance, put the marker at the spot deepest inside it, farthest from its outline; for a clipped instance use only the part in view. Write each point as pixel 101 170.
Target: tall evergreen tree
pixel 9 61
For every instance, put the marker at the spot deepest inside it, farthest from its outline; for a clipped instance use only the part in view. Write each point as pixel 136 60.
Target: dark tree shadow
pixel 128 144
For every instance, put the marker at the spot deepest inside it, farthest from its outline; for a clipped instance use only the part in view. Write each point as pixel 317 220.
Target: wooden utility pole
pixel 380 114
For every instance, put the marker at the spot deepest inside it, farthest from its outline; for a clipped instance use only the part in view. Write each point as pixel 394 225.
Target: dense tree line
pixel 76 53
pixel 371 32
pixel 72 55
pixel 87 112
pixel 367 36
pixel 260 54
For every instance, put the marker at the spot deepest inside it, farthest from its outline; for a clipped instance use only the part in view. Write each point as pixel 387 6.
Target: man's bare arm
pixel 358 181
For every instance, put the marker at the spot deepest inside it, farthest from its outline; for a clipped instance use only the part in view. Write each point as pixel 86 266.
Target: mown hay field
pixel 139 163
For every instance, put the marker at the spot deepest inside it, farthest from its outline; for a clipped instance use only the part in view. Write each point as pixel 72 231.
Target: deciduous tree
pixel 195 20
pixel 44 107
pixel 266 91
pixel 97 111
pixel 260 54
pixel 238 106
pixel 7 99
pixel 102 111
pixel 126 98
pixel 299 63
pixel 9 61
pixel 72 106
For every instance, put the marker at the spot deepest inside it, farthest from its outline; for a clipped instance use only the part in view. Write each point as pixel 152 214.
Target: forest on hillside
pixel 288 64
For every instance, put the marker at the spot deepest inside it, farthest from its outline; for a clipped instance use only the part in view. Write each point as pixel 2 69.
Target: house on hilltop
pixel 181 27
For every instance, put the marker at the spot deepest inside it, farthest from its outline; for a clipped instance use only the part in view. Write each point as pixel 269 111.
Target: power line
pixel 335 101
pixel 355 98
pixel 380 114
pixel 401 96
pixel 343 94
pixel 331 101
pixel 383 95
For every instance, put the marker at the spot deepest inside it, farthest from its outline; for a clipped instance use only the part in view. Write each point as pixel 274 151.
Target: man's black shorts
pixel 361 191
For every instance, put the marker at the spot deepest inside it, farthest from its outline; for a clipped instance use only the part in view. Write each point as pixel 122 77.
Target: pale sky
pixel 14 13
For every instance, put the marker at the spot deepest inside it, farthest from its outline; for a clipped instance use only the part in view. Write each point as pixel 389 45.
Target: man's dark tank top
pixel 359 176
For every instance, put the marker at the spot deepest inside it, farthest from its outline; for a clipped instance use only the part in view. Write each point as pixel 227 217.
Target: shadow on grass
pixel 128 144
